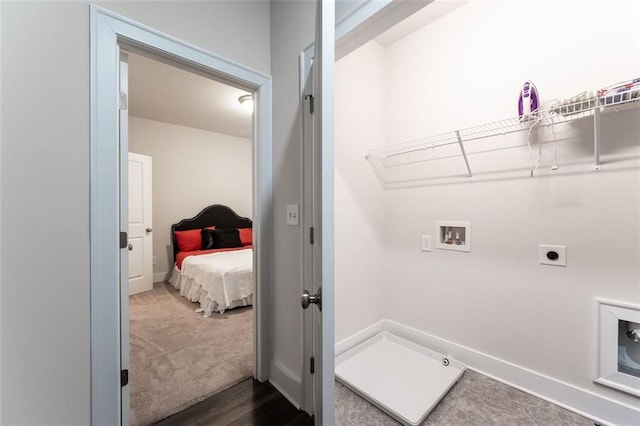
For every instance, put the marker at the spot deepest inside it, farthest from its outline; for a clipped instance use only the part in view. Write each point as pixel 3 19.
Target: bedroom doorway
pixel 109 361
pixel 190 332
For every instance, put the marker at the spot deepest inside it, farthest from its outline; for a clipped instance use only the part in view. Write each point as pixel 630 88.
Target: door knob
pixel 130 247
pixel 308 299
pixel 149 229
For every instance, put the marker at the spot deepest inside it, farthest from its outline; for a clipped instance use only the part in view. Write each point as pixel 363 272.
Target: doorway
pixel 197 134
pixel 110 32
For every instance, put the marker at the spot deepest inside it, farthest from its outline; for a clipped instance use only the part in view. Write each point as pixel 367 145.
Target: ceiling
pixel 162 92
pixel 434 10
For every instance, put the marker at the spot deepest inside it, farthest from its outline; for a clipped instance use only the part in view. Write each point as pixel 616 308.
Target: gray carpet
pixel 178 357
pixel 474 400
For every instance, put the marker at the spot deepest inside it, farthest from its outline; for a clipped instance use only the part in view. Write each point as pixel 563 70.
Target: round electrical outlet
pixel 552 255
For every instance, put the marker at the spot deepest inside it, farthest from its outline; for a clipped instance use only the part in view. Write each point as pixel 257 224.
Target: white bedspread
pixel 218 281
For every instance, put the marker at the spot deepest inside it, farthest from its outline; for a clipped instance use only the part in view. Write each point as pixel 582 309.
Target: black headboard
pixel 216 215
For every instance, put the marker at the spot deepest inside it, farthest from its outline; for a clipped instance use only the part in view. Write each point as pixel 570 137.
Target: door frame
pixel 306 221
pixel 108 32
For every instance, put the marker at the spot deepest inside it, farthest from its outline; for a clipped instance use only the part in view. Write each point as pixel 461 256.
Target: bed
pixel 213 259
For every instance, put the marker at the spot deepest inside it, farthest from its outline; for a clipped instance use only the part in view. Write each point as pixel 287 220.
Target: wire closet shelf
pixel 557 113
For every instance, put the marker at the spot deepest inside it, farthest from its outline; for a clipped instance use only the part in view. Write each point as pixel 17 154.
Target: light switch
pixel 426 243
pixel 292 215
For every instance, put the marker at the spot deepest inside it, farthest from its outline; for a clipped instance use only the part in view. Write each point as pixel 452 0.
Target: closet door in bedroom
pixel 140 244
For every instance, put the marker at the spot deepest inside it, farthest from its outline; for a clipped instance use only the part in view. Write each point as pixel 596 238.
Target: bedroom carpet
pixel 178 357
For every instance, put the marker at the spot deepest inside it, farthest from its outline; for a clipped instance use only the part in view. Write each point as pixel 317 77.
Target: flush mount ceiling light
pixel 246 101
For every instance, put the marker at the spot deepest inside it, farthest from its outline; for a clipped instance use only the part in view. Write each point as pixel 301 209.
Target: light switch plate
pixel 546 256
pixel 426 243
pixel 292 215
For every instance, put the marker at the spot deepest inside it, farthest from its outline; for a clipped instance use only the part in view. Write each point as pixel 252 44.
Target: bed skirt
pixel 194 292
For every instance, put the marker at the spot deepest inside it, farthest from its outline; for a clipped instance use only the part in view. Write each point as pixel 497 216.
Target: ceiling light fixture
pixel 246 101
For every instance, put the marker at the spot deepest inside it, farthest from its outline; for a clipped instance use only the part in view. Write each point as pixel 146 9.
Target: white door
pixel 123 148
pixel 319 193
pixel 140 244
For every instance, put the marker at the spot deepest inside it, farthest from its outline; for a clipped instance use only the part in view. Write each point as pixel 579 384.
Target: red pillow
pixel 246 236
pixel 189 240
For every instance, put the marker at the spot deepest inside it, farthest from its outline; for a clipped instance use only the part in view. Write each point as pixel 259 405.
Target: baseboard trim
pixel 287 383
pixel 159 277
pixel 581 401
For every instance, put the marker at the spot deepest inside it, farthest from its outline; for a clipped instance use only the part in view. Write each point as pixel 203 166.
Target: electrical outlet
pixel 426 243
pixel 292 215
pixel 552 255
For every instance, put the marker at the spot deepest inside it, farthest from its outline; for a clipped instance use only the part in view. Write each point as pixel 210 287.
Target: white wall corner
pixel 161 276
pixel 578 400
pixel 287 383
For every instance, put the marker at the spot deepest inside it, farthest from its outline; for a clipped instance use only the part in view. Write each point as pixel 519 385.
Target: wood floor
pixel 249 403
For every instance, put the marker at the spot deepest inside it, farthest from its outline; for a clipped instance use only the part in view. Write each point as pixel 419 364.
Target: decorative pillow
pixel 207 239
pixel 189 240
pixel 220 238
pixel 246 236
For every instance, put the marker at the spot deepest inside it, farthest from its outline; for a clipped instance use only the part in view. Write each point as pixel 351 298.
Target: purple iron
pixel 528 102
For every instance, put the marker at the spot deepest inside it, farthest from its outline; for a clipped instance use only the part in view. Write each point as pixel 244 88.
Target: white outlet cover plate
pixel 292 215
pixel 562 255
pixel 426 243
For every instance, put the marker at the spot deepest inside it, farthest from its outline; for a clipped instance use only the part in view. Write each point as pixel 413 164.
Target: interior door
pixel 319 292
pixel 123 146
pixel 140 244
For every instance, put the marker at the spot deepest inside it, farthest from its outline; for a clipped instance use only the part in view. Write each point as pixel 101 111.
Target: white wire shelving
pixel 558 113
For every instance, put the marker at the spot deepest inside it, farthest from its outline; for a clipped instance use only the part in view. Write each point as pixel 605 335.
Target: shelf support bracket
pixel 596 138
pixel 464 154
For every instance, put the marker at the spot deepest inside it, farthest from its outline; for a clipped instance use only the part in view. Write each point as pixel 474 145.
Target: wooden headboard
pixel 216 215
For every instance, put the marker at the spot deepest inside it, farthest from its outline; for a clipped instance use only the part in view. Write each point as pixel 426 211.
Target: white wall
pixel 467 68
pixel 44 291
pixel 192 169
pixel 292 25
pixel 360 117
